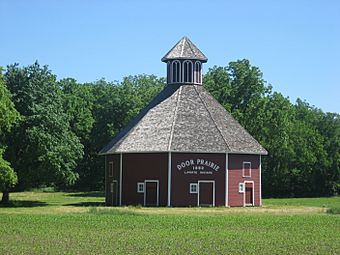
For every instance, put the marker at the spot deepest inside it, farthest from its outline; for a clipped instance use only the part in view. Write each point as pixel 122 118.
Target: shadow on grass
pixel 86 204
pixel 88 194
pixel 23 204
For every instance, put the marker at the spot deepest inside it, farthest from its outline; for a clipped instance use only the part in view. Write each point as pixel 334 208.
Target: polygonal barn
pixel 184 148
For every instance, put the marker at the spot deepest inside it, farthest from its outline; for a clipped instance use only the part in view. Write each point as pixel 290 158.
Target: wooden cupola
pixel 184 63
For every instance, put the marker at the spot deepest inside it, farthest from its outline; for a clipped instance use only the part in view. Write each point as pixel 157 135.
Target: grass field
pixel 78 223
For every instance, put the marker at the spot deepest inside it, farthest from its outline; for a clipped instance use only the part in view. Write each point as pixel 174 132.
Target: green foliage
pixel 8 178
pixel 8 117
pixel 65 120
pixel 333 210
pixel 113 106
pixel 42 149
pixel 302 141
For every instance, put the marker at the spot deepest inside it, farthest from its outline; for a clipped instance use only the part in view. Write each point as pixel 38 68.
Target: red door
pixel 206 194
pixel 151 193
pixel 249 194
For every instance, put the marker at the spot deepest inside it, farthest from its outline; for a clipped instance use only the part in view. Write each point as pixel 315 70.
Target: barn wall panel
pixel 115 159
pixel 181 177
pixel 138 167
pixel 235 176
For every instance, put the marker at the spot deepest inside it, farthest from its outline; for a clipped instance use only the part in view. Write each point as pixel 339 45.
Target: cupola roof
pixel 185 49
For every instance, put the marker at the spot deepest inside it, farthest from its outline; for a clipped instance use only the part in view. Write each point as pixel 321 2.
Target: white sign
pixel 195 166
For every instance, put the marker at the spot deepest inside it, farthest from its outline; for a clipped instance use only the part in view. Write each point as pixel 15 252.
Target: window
pixel 140 187
pixel 111 187
pixel 241 187
pixel 110 169
pixel 246 172
pixel 198 72
pixel 176 71
pixel 187 71
pixel 193 188
pixel 168 72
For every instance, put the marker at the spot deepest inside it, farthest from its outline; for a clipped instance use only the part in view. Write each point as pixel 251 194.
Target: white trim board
pixel 226 181
pixel 120 178
pixel 260 189
pixel 169 179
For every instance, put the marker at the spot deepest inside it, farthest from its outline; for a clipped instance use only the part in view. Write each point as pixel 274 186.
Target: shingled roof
pixel 185 49
pixel 184 118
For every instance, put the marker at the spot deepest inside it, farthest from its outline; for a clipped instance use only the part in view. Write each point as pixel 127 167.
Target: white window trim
pixel 193 185
pixel 243 174
pixel 197 69
pixel 140 184
pixel 241 187
pixel 178 71
pixel 110 167
pixel 187 68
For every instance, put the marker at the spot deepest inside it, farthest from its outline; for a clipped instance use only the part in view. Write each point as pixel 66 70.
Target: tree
pixel 42 149
pixel 114 105
pixel 8 178
pixel 302 141
pixel 8 117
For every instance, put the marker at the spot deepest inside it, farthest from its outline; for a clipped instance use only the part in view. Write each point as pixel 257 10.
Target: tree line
pixel 51 130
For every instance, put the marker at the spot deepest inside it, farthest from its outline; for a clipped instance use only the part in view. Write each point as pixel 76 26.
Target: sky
pixel 296 44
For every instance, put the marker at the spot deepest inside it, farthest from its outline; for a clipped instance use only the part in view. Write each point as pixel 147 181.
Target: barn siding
pixel 235 165
pixel 138 167
pixel 115 158
pixel 180 195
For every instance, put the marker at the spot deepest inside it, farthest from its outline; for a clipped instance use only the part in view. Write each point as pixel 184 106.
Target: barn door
pixel 114 192
pixel 249 193
pixel 206 193
pixel 151 193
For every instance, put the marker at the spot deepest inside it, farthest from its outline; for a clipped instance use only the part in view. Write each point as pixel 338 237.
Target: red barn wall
pixel 138 167
pixel 181 179
pixel 235 166
pixel 115 159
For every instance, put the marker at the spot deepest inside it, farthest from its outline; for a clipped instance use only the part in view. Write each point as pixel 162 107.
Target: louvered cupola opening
pixel 184 63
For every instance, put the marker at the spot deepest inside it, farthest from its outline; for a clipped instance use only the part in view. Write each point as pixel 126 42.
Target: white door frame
pixel 244 193
pixel 198 195
pixel 145 190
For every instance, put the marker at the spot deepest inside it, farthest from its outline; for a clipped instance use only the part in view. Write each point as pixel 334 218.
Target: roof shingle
pixel 185 49
pixel 184 118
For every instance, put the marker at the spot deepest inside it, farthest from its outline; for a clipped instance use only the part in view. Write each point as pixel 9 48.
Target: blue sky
pixel 296 44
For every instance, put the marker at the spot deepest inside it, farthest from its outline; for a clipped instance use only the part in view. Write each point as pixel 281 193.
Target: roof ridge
pixel 190 44
pixel 174 119
pixel 238 123
pixel 183 44
pixel 206 107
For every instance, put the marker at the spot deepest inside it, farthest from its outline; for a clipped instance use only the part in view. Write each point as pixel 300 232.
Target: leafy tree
pixel 42 149
pixel 8 178
pixel 303 142
pixel 115 104
pixel 8 117
pixel 78 104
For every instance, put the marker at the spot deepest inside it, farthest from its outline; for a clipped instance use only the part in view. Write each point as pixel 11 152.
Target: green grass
pixel 325 202
pixel 68 223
